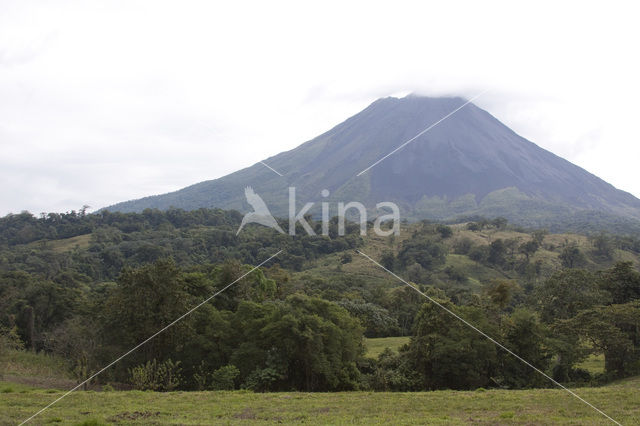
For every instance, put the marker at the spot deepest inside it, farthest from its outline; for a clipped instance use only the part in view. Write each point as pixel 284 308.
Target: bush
pixel 425 252
pixel 462 245
pixel 261 379
pixel 376 319
pixel 164 376
pixel 346 258
pixel 224 378
pixel 455 274
pixel 479 254
pixel 9 340
pixel 388 260
pixel 571 256
pixel 445 231
pixel 603 246
pixel 388 374
pixel 473 226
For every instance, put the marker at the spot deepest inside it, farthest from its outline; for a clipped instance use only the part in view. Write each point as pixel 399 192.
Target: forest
pixel 89 287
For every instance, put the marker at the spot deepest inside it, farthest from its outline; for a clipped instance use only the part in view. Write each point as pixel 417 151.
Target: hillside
pixel 470 274
pixel 469 164
pixel 98 246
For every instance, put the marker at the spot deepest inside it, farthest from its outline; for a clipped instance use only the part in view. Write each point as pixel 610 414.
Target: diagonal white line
pixel 450 312
pixel 270 168
pixel 425 130
pixel 152 336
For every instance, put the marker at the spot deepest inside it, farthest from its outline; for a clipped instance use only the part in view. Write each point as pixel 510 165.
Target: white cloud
pixel 102 102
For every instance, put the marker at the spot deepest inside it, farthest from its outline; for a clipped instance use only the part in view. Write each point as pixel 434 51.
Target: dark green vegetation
pixel 470 164
pixel 89 287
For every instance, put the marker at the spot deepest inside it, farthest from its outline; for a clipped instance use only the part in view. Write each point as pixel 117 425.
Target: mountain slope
pixel 468 164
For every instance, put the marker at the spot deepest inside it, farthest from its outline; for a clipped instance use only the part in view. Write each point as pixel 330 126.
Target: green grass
pixel 30 364
pixel 376 346
pixel 64 244
pixel 11 387
pixel 541 406
pixel 594 364
pixel 476 273
pixel 329 267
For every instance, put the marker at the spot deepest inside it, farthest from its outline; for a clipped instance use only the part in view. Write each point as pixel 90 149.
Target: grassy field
pixel 65 244
pixel 594 364
pixel 30 364
pixel 542 406
pixel 25 392
pixel 376 346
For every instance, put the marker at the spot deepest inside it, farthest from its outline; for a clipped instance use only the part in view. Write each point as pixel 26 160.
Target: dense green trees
pixel 529 248
pixel 622 282
pixel 287 326
pixel 426 253
pixel 615 331
pixel 593 313
pixel 300 343
pixel 33 304
pixel 116 240
pixel 444 353
pixel 566 293
pixel 377 320
pixel 524 334
pixel 568 317
pixel 247 338
pixel 572 256
pixel 144 301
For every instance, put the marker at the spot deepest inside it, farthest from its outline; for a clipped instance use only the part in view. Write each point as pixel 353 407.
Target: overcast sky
pixel 103 102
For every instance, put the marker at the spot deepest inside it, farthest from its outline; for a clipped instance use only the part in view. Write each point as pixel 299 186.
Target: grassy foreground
pixel 25 392
pixel 620 400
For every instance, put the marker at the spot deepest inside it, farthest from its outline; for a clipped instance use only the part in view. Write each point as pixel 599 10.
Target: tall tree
pixel 615 331
pixel 622 282
pixel 444 353
pixel 566 293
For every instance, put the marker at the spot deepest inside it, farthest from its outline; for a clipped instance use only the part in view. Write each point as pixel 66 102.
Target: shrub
pixel 9 340
pixel 388 260
pixel 164 376
pixel 224 378
pixel 346 258
pixel 445 231
pixel 462 245
pixel 261 379
pixel 473 226
pixel 107 388
pixel 455 274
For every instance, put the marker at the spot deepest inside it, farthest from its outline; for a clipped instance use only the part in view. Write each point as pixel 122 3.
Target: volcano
pixel 470 164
